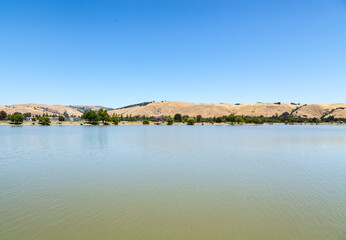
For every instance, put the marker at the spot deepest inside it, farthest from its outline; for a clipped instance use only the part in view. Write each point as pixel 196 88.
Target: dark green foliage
pixel 61 118
pixel 44 120
pixel 185 117
pixel 145 122
pixel 16 118
pixel 170 120
pixel 91 117
pixel 177 117
pixel 103 115
pixel 239 119
pixel 3 115
pixel 199 118
pixel 115 119
pixel 190 121
pixel 230 118
pixel 218 120
pixel 33 119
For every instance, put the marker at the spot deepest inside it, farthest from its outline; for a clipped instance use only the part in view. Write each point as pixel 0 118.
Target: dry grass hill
pixel 166 108
pixel 40 109
pixel 222 109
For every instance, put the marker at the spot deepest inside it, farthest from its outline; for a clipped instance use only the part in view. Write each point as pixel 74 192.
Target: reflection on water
pixel 173 182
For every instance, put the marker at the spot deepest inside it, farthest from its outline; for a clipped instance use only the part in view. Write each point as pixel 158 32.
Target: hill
pixel 167 108
pixel 254 109
pixel 40 109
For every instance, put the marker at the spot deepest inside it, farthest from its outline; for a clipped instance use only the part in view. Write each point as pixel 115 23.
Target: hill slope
pixel 254 109
pixel 40 109
pixel 192 109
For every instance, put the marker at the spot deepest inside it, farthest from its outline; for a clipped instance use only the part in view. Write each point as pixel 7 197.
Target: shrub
pixel 33 119
pixel 190 121
pixel 44 120
pixel 145 122
pixel 170 120
pixel 61 118
pixel 16 118
pixel 158 119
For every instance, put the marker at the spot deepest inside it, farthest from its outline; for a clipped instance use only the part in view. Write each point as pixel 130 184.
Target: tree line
pixel 95 117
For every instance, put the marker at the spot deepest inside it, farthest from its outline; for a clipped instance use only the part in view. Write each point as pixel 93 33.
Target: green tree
pixel 170 120
pixel 177 117
pixel 115 119
pixel 230 118
pixel 145 122
pixel 218 119
pixel 185 117
pixel 33 119
pixel 44 120
pixel 199 118
pixel 3 115
pixel 17 118
pixel 190 121
pixel 61 118
pixel 103 115
pixel 239 119
pixel 91 117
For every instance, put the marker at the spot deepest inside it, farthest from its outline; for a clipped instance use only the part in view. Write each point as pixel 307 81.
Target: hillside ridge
pixel 166 108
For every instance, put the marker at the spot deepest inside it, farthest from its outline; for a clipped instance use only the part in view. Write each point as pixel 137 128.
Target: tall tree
pixel 3 115
pixel 91 117
pixel 177 117
pixel 103 115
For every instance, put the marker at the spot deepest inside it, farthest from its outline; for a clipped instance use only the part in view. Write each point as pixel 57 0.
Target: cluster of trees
pixel 102 115
pixel 94 117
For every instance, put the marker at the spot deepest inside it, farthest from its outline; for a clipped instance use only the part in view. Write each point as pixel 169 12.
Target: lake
pixel 173 182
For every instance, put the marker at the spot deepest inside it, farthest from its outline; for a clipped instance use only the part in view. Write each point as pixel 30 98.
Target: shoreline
pixel 81 123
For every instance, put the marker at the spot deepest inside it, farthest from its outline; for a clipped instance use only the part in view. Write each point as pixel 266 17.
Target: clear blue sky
pixel 115 53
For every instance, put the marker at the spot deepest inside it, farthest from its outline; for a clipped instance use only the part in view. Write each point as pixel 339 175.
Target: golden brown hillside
pixel 40 109
pixel 167 108
pixel 222 109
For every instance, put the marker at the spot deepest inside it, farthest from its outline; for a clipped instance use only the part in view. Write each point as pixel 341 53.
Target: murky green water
pixel 173 182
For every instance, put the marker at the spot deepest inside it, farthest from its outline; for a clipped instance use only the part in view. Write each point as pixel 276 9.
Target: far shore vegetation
pixel 102 117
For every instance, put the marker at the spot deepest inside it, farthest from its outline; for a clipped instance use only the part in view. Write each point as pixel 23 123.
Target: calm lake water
pixel 173 182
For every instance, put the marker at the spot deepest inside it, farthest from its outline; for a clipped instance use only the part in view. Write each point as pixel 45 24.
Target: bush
pixel 61 118
pixel 190 121
pixel 170 120
pixel 146 122
pixel 33 119
pixel 16 118
pixel 44 120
